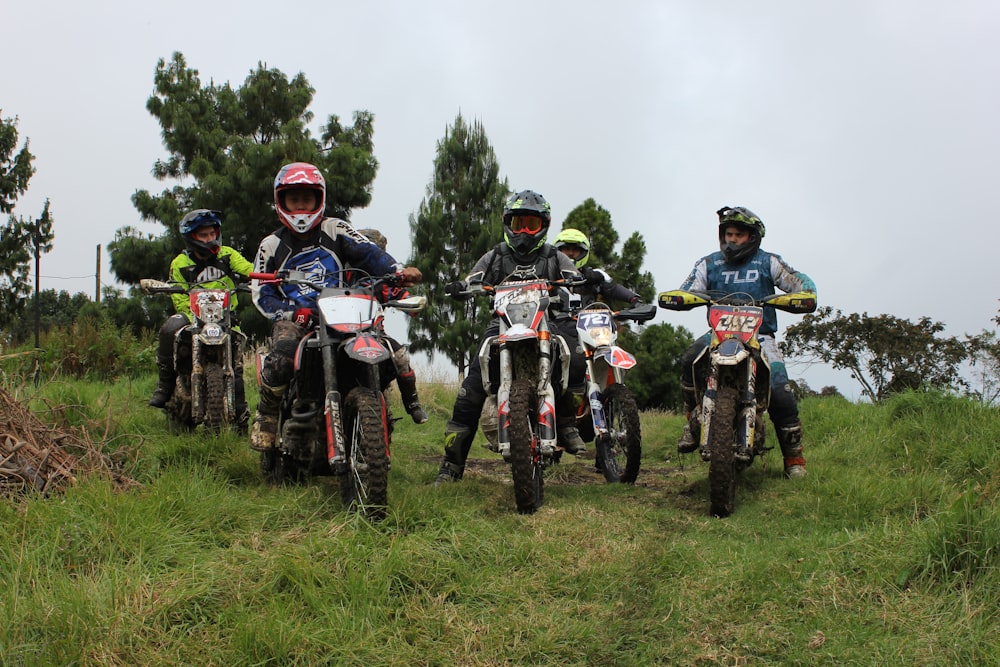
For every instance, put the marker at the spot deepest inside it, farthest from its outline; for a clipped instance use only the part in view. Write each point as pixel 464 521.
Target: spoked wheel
pixel 525 462
pixel 620 452
pixel 364 484
pixel 722 464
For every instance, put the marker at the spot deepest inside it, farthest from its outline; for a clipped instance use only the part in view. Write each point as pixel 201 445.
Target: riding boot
pixel 263 434
pixel 568 435
pixel 408 392
pixel 790 439
pixel 691 437
pixel 457 442
pixel 167 375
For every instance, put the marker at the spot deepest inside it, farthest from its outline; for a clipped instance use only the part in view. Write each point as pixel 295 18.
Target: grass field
pixel 886 554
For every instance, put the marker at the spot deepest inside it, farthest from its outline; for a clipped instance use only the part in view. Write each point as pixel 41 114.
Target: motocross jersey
pixel 216 272
pixel 499 262
pixel 330 248
pixel 757 277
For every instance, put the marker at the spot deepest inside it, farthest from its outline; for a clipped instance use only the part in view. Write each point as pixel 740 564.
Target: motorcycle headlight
pixel 600 335
pixel 212 312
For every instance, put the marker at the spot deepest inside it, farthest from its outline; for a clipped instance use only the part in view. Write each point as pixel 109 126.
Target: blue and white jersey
pixel 757 277
pixel 333 246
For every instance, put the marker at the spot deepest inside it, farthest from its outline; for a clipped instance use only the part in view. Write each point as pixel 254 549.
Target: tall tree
pixel 229 143
pixel 885 354
pixel 595 221
pixel 20 238
pixel 457 222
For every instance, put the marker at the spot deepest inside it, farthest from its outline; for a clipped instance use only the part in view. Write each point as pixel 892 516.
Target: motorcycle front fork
pixel 546 416
pixel 746 412
pixel 595 395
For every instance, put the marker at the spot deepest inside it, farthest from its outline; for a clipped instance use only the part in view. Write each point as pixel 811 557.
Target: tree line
pixel 227 143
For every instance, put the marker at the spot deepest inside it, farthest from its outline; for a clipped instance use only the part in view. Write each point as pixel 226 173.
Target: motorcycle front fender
pixel 518 332
pixel 615 357
pixel 366 348
pixel 730 352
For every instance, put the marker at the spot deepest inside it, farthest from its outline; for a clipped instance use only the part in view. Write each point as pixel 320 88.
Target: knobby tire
pixel 214 410
pixel 620 452
pixel 524 465
pixel 721 446
pixel 364 485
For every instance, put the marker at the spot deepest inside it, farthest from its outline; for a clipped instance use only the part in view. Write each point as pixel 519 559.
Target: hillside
pixel 885 554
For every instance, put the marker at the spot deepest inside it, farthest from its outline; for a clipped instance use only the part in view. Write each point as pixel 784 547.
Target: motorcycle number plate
pixel 735 322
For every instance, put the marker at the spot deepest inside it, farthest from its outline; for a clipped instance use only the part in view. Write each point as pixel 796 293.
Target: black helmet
pixel 201 217
pixel 743 218
pixel 526 220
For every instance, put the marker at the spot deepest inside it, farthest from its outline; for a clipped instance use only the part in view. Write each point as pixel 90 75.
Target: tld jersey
pixel 757 277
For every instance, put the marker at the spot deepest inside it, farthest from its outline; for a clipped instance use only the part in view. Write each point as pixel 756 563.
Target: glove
pixel 593 276
pixel 455 289
pixel 302 316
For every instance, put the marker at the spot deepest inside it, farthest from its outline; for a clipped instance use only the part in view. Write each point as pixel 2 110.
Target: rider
pixel 574 244
pixel 526 220
pixel 741 266
pixel 318 246
pixel 207 263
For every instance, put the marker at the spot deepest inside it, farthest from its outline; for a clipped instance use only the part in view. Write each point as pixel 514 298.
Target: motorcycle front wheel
pixel 525 464
pixel 214 410
pixel 620 451
pixel 364 484
pixel 722 463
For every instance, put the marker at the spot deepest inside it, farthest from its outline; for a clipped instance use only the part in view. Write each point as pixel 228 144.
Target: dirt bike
pixel 608 414
pixel 524 354
pixel 334 418
pixel 732 382
pixel 205 355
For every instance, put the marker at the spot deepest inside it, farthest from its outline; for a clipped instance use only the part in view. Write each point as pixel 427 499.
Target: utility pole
pixel 36 239
pixel 97 276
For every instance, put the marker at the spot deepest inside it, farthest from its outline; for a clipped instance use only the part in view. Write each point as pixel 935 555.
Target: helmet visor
pixel 529 224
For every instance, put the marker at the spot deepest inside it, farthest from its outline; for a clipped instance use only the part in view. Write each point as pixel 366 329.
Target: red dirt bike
pixel 205 390
pixel 608 415
pixel 334 419
pixel 524 353
pixel 732 382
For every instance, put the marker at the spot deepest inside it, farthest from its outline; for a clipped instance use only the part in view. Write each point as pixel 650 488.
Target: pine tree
pixel 458 221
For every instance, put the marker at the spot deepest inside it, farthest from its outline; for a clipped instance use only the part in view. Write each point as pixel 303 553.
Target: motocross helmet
pixel 294 176
pixel 526 220
pixel 743 218
pixel 574 237
pixel 196 219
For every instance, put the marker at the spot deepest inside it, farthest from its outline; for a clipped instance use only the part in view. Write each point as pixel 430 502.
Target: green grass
pixel 886 554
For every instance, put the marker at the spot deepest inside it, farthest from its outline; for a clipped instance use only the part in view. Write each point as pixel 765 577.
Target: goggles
pixel 531 224
pixel 205 219
pixel 731 215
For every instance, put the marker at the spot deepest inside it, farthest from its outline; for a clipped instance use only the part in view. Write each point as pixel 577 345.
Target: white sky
pixel 863 132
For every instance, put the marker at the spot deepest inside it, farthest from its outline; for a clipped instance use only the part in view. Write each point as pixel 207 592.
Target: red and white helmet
pixel 299 175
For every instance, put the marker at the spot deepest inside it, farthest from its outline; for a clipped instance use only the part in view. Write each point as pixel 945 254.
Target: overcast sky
pixel 863 132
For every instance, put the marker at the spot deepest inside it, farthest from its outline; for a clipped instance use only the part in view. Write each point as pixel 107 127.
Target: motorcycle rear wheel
pixel 525 464
pixel 364 484
pixel 623 444
pixel 722 464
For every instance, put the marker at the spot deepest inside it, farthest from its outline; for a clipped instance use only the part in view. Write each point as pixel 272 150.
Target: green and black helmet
pixel 743 218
